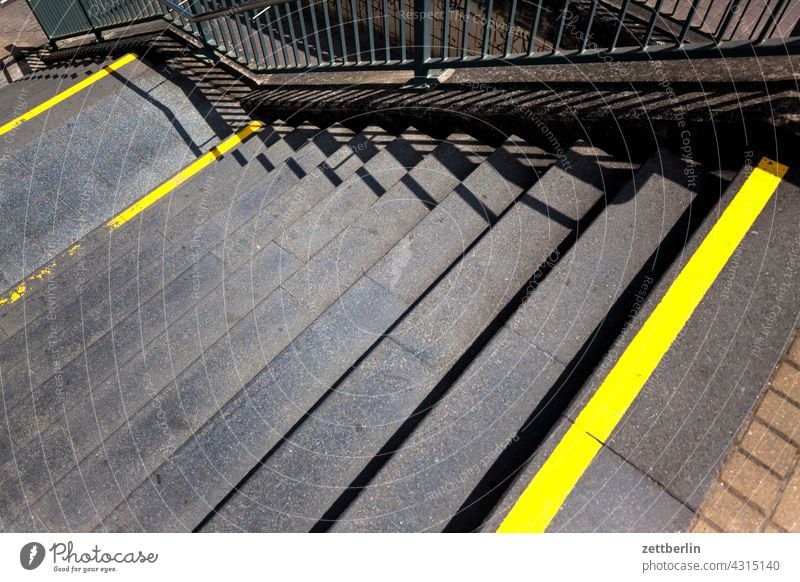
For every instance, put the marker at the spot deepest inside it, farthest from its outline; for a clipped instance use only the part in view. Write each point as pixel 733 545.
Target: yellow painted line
pixel 66 94
pixel 546 493
pixel 15 293
pixel 197 166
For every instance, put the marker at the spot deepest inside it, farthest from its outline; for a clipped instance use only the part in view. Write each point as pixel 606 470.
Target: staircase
pixel 331 328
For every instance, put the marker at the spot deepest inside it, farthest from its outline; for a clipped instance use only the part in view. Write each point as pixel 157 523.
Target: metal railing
pixel 429 35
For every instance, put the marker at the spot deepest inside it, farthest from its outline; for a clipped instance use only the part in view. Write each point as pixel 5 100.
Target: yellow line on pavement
pixel 17 291
pixel 554 481
pixel 67 93
pixel 197 166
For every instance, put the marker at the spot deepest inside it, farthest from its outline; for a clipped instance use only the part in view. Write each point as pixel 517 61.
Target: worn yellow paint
pixel 197 166
pixel 67 93
pixel 552 484
pixel 13 295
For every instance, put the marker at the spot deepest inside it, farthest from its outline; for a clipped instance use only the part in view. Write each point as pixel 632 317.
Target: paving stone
pixel 780 415
pixel 787 382
pixel 704 526
pixel 794 351
pixel 787 514
pixel 728 512
pixel 772 450
pixel 751 481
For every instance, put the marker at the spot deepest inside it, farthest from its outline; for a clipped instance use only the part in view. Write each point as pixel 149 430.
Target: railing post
pixel 422 37
pixel 424 76
pixel 97 34
pixel 198 25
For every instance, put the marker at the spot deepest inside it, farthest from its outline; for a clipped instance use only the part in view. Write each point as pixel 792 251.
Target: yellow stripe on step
pixel 197 166
pixel 67 93
pixel 552 484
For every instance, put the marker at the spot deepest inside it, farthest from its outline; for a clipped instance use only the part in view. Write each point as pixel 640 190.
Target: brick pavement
pixel 758 488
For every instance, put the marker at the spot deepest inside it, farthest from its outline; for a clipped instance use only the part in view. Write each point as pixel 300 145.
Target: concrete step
pixel 100 251
pixel 317 227
pixel 143 269
pixel 454 449
pixel 249 225
pixel 229 377
pixel 23 95
pixel 94 323
pixel 328 452
pixel 164 358
pixel 69 179
pixel 145 240
pixel 676 434
pixel 201 473
pixel 382 225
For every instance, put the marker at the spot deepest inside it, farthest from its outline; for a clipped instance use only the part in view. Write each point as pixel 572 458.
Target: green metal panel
pixel 61 18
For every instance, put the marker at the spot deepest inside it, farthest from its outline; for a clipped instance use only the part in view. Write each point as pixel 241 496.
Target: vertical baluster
pixel 562 21
pixel 446 30
pixel 465 30
pixel 292 36
pixel 282 35
pixel 356 35
pixel 254 60
pixel 342 38
pixel 271 34
pixel 402 23
pixel 623 12
pixel 688 24
pixel 512 15
pixel 486 29
pixel 537 17
pixel 370 30
pixel 742 14
pixel 315 29
pixel 773 19
pixel 727 18
pixel 422 37
pixel 231 42
pixel 588 28
pixel 329 31
pixel 259 33
pixel 652 25
pixel 386 41
pixel 303 33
